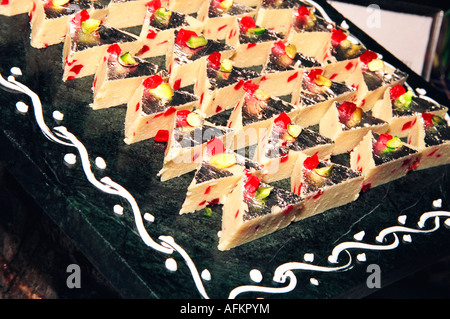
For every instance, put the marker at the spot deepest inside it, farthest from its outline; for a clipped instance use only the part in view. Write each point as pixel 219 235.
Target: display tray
pixel 127 224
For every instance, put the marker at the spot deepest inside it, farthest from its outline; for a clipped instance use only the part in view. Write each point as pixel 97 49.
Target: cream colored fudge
pixel 126 13
pixel 118 76
pixel 158 33
pixel 84 47
pixel 278 149
pixel 346 125
pixel 186 144
pixel 254 210
pixel 49 19
pixel 15 7
pixel 430 136
pixel 323 185
pixel 316 95
pixel 402 117
pixel 221 84
pixel 216 177
pixel 253 115
pixel 185 63
pixel 148 113
pixel 219 17
pixel 380 163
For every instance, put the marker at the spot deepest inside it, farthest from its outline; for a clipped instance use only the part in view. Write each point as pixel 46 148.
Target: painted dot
pixel 16 71
pixel 171 264
pixel 437 203
pixel 58 116
pixel 206 275
pixel 314 281
pixel 118 209
pixel 407 238
pixel 359 236
pixel 308 257
pixel 402 219
pixel 70 158
pixel 149 217
pixel 21 107
pixel 100 163
pixel 361 257
pixel 255 275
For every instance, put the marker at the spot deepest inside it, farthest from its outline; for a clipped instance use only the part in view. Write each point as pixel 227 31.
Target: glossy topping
pixel 350 114
pixel 284 56
pixel 57 8
pixel 306 20
pixel 251 33
pixel 89 32
pixel 343 48
pixel 158 96
pixel 218 8
pixel 387 147
pixel 437 130
pixel 224 73
pixel 123 65
pixel 287 135
pixel 404 102
pixel 189 46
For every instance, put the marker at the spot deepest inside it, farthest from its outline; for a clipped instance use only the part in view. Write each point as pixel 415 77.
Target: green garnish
pixel 256 31
pixel 404 100
pixel 162 91
pixel 393 144
pixel 294 130
pixel 162 16
pixel 226 65
pixel 90 25
pixel 196 42
pixel 263 192
pixel 226 4
pixel 208 211
pixel 127 59
pixel 324 171
pixel 291 51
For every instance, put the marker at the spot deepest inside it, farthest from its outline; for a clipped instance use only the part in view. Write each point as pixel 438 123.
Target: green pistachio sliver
pixel 393 143
pixel 324 171
pixel 263 192
pixel 256 31
pixel 226 65
pixel 208 211
pixel 90 25
pixel 404 101
pixel 196 42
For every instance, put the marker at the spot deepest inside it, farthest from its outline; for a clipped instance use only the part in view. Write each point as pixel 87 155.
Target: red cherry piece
pixel 312 75
pixel 282 121
pixel 250 87
pixel 246 23
pixel 279 48
pixel 215 146
pixel 251 185
pixel 162 136
pixel 346 110
pixel 114 49
pixel 428 119
pixel 152 81
pixel 214 60
pixel 182 117
pixel 183 36
pixel 368 56
pixel 311 162
pixel 303 11
pixel 154 5
pixel 80 17
pixel 380 145
pixel 396 91
pixel 337 35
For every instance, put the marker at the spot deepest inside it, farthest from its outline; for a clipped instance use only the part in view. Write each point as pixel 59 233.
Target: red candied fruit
pixel 428 119
pixel 246 23
pixel 346 110
pixel 337 36
pixel 282 121
pixel 381 143
pixel 250 87
pixel 214 60
pixel 312 75
pixel 279 48
pixel 367 56
pixel 396 91
pixel 182 117
pixel 152 81
pixel 311 162
pixel 153 5
pixel 303 11
pixel 114 49
pixel 4 2
pixel 215 146
pixel 81 16
pixel 251 185
pixel 162 136
pixel 183 36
